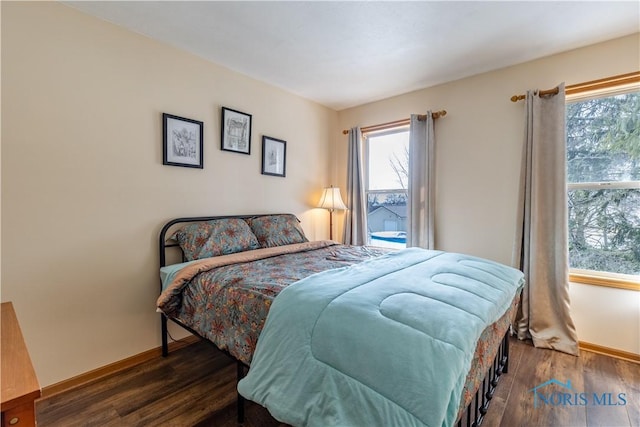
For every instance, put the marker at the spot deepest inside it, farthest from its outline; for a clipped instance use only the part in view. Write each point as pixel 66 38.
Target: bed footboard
pixel 477 408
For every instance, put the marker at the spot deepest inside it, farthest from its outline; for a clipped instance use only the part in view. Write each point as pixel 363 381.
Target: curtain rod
pixel 554 91
pixel 403 122
pixel 622 79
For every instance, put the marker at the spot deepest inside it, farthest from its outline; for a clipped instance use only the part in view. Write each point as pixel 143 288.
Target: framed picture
pixel 274 156
pixel 181 141
pixel 236 131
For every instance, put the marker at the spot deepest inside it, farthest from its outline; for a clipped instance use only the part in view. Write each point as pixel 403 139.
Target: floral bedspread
pixel 228 303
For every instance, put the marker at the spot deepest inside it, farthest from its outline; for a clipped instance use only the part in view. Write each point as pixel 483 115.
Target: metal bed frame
pixel 472 416
pixel 478 407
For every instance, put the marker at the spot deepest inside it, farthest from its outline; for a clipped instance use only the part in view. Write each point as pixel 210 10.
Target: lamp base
pixel 331 225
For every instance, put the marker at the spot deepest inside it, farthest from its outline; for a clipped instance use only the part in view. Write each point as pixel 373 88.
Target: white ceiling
pixel 347 53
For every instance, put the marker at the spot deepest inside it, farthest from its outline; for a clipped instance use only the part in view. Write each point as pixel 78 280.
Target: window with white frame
pixel 603 180
pixel 386 174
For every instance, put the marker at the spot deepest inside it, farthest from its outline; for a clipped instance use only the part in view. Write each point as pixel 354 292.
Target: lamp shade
pixel 331 199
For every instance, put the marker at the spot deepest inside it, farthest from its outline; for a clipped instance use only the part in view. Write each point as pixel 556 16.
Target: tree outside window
pixel 603 174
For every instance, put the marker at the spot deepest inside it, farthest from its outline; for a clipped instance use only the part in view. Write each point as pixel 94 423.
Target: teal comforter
pixel 387 342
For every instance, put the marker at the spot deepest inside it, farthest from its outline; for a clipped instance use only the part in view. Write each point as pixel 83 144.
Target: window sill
pixel 610 280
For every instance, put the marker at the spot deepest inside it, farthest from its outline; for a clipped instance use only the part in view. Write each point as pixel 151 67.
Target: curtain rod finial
pixel 439 114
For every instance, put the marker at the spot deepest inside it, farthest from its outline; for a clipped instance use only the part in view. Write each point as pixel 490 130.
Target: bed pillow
pixel 277 230
pixel 215 237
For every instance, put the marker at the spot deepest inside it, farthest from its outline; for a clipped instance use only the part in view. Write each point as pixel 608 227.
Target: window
pixel 386 174
pixel 603 180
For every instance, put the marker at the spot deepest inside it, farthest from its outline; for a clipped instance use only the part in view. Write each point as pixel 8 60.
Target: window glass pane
pixel 388 161
pixel 603 139
pixel 387 173
pixel 604 230
pixel 603 145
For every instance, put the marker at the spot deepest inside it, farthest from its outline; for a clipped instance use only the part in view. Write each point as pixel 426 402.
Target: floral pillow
pixel 277 230
pixel 215 237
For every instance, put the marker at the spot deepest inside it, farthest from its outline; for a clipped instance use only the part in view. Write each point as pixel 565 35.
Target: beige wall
pixel 478 163
pixel 607 317
pixel 84 191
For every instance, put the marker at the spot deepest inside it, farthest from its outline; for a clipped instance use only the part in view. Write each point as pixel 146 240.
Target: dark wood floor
pixel 195 386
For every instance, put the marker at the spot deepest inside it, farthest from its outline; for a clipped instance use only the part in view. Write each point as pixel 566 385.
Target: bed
pixel 331 334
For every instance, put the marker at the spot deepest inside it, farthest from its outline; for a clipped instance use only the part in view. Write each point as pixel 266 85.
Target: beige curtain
pixel 355 219
pixel 421 200
pixel 541 248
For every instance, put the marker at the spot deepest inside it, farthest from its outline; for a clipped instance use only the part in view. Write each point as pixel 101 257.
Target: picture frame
pixel 274 156
pixel 235 131
pixel 182 141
